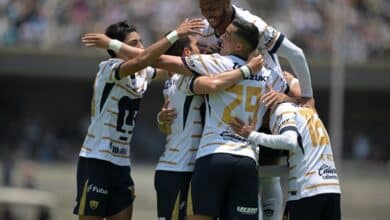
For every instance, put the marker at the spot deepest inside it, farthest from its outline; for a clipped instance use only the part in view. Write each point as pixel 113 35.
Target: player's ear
pixel 186 52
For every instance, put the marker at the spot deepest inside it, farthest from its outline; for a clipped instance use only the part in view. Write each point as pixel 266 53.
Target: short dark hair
pixel 177 48
pixel 119 31
pixel 248 32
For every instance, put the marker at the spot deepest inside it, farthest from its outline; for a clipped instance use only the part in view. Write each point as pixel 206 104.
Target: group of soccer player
pixel 230 115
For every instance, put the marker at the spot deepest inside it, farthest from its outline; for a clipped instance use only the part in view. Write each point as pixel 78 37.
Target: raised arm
pixel 297 60
pixel 145 57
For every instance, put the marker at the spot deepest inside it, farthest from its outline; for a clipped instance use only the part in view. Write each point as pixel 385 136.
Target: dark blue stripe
pixel 106 91
pixel 187 105
pixel 277 44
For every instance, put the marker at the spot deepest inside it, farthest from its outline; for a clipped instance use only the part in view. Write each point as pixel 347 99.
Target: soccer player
pixel 313 186
pixel 219 14
pixel 105 188
pixel 181 119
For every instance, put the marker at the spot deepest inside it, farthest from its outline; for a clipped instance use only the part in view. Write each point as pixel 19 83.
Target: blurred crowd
pixel 48 24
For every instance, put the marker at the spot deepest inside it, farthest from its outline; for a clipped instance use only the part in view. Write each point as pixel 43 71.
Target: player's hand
pixel 95 40
pixel 192 26
pixel 255 64
pixel 273 98
pixel 240 128
pixel 166 114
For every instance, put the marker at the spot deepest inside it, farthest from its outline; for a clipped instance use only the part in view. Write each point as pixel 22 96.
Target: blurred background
pixel 46 78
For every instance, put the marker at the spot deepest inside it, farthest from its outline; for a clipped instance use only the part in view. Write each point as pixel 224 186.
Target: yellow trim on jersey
pixel 196 108
pixel 112 112
pixel 291 154
pixel 114 98
pixel 310 173
pixel 175 211
pixel 196 136
pixel 131 92
pixel 83 198
pixel 174 149
pixel 204 65
pixel 197 122
pixel 210 133
pixel 207 35
pixel 292 167
pixel 167 162
pixel 191 164
pixel 113 154
pixel 115 141
pixel 321 184
pixel 90 135
pixel 190 205
pixel 193 149
pixel 216 61
pixel 109 125
pixel 86 148
pixel 292 178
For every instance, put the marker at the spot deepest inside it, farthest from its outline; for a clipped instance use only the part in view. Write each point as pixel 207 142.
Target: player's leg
pixel 171 190
pixel 209 182
pixel 242 200
pixel 93 183
pixel 304 209
pixel 271 195
pixel 122 194
pixel 332 210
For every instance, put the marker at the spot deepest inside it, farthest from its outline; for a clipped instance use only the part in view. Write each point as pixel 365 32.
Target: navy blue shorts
pixel 224 186
pixel 322 206
pixel 103 188
pixel 172 189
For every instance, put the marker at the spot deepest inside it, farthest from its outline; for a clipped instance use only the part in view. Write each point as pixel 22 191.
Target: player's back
pixel 311 166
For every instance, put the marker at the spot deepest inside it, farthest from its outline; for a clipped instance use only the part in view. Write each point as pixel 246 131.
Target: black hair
pixel 177 48
pixel 119 31
pixel 248 32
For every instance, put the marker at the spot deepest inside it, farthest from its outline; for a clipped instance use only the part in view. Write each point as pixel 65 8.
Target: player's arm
pixel 297 60
pixel 150 54
pixel 222 81
pixel 286 140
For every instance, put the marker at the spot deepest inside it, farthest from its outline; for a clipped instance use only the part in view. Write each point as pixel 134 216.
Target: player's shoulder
pixel 286 107
pixel 248 16
pixel 106 64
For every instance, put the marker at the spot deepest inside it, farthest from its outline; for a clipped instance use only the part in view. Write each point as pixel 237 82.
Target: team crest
pixel 93 204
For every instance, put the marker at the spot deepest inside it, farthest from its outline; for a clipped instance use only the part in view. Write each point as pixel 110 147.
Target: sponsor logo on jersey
pixel 257 77
pixel 327 172
pixel 97 189
pixel 246 210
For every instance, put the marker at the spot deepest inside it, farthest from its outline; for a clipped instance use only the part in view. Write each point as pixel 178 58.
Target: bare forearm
pixel 145 58
pixel 216 83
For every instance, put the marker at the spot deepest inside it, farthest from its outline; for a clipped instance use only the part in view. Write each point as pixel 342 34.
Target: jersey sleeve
pixel 283 119
pixel 150 74
pixel 108 70
pixel 202 64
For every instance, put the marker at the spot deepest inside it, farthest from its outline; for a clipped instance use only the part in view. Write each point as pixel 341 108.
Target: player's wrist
pixel 245 71
pixel 173 36
pixel 115 45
